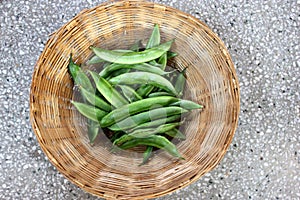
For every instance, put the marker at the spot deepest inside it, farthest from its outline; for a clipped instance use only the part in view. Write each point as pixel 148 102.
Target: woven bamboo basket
pixel 60 130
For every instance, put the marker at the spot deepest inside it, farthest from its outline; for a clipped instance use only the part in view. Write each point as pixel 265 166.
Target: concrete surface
pixel 263 161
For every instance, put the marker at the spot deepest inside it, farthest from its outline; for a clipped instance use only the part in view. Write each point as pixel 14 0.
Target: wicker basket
pixel 60 129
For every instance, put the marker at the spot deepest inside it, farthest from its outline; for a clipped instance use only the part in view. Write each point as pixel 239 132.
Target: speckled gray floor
pixel 263 161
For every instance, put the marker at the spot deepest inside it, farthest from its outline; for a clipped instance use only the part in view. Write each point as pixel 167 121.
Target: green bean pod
pixel 146 132
pixel 157 122
pixel 175 133
pixel 171 54
pixel 163 61
pixel 147 116
pixel 135 107
pixel 144 78
pixel 180 83
pixel 93 130
pixel 117 73
pixel 145 90
pixel 109 93
pixel 140 67
pixel 116 135
pixel 147 154
pixel 79 77
pixel 155 141
pixel 129 93
pixel 186 104
pixel 88 111
pixel 95 100
pixel 95 59
pixel 154 39
pixel 132 57
pixel 158 94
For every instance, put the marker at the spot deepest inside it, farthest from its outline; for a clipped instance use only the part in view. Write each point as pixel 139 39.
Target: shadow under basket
pixel 61 130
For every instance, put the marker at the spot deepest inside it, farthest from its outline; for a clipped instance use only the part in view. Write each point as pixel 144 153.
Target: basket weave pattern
pixel 60 130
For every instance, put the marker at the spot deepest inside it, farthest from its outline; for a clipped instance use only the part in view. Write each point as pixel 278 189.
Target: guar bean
pixel 186 104
pixel 95 100
pixel 147 116
pixel 147 154
pixel 135 107
pixel 129 93
pixel 180 83
pixel 93 130
pixel 88 111
pixel 116 135
pixel 154 39
pixel 157 122
pixel 171 54
pixel 79 77
pixel 109 93
pixel 144 90
pixel 132 57
pixel 140 67
pixel 144 78
pixel 117 73
pixel 155 141
pixel 175 133
pixel 82 80
pixel 163 61
pixel 158 94
pixel 146 132
pixel 95 59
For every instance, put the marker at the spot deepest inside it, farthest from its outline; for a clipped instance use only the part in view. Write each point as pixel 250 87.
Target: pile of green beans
pixel 133 97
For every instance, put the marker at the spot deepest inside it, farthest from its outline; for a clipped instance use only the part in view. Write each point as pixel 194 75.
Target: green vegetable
pixel 110 94
pixel 114 104
pixel 93 130
pixel 157 122
pixel 95 59
pixel 147 154
pixel 163 61
pixel 144 90
pixel 186 104
pixel 175 133
pixel 132 57
pixel 144 117
pixel 135 107
pixel 79 77
pixel 95 100
pixel 146 132
pixel 171 54
pixel 141 67
pixel 129 93
pixel 158 94
pixel 88 111
pixel 180 83
pixel 117 73
pixel 155 141
pixel 144 78
pixel 154 39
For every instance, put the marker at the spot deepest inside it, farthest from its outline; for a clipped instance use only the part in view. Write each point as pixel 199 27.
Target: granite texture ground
pixel 263 161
